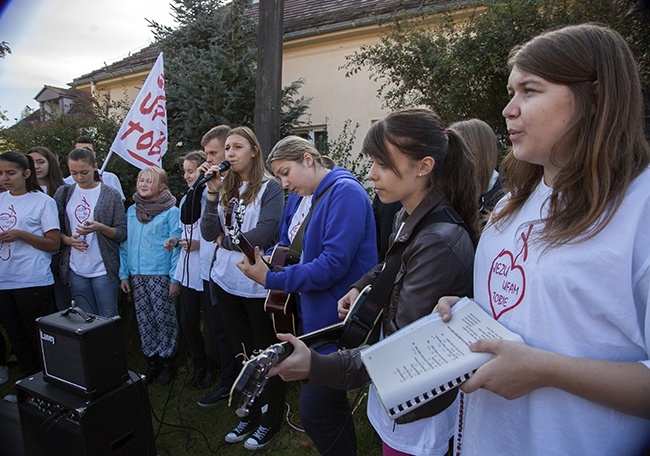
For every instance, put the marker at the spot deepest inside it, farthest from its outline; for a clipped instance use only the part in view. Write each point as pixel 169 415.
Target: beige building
pixel 318 35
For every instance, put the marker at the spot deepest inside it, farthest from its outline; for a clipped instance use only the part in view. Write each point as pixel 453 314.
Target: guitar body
pixel 282 307
pixel 254 374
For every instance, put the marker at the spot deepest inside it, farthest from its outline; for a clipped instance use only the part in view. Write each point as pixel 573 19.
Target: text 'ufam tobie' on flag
pixel 142 139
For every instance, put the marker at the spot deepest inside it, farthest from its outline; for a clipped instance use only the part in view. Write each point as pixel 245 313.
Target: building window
pixel 315 134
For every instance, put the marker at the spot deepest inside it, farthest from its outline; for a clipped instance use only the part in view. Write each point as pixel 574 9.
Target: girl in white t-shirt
pixel 29 234
pixel 188 268
pixel 565 259
pixel 94 225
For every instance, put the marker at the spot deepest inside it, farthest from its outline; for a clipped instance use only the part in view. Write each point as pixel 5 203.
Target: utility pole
pixel 269 73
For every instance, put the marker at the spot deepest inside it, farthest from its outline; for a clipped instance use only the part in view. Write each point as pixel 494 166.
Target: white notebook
pixel 428 357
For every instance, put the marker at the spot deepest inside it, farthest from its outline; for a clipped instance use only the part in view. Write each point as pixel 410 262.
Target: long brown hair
pixel 54 176
pixel 484 146
pixel 258 175
pixel 610 149
pixel 419 133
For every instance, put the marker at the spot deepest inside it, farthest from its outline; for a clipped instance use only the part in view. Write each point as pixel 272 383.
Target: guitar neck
pixel 246 247
pixel 314 340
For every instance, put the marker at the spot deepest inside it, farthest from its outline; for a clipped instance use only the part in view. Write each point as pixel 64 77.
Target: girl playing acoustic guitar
pixel 338 247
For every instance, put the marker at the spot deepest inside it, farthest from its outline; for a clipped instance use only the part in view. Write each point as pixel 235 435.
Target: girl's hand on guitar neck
pixel 344 304
pixel 257 271
pixel 298 365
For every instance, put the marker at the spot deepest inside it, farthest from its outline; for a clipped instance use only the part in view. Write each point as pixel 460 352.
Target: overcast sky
pixel 53 42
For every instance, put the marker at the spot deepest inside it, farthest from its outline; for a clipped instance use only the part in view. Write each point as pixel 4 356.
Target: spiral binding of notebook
pixel 425 397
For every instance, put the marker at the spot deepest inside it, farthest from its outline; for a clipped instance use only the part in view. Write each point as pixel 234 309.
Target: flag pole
pixel 101 171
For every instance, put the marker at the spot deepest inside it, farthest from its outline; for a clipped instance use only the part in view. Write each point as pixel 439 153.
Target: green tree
pixel 101 121
pixel 210 70
pixel 4 49
pixel 340 150
pixel 459 68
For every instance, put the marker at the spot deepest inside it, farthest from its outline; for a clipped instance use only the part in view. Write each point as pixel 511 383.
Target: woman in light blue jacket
pixel 151 221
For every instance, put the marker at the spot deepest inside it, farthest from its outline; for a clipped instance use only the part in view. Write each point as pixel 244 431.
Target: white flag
pixel 142 139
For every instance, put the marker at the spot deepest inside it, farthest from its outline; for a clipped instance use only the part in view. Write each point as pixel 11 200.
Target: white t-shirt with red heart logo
pixel 80 210
pixel 588 299
pixel 21 265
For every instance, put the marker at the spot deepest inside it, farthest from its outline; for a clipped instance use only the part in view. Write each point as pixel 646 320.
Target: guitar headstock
pixel 227 213
pixel 234 216
pixel 253 377
pixel 239 211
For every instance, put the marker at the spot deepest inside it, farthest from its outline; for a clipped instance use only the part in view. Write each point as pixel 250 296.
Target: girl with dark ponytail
pixel 417 162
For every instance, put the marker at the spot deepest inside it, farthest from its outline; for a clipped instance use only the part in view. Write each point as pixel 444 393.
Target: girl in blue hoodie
pixel 338 247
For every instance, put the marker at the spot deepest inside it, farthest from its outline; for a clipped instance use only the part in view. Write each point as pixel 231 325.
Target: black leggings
pixel 249 328
pixel 18 310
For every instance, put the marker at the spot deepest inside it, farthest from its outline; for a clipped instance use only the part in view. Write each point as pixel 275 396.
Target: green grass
pixel 189 429
pixel 181 427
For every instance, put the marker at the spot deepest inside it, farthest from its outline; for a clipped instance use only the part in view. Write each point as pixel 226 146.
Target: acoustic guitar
pixel 254 374
pixel 233 228
pixel 282 307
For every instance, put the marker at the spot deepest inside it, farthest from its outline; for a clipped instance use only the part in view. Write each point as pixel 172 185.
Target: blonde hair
pixel 197 156
pixel 294 148
pixel 158 176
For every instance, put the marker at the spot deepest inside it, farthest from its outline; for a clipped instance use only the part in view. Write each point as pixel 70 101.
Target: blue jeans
pixel 96 295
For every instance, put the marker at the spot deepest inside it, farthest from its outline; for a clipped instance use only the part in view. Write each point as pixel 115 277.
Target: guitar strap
pixel 356 332
pixel 295 249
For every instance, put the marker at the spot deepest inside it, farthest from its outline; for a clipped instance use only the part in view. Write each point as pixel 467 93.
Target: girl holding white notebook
pixel 565 260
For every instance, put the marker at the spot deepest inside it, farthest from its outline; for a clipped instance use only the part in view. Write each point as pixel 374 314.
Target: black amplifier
pixel 55 421
pixel 82 353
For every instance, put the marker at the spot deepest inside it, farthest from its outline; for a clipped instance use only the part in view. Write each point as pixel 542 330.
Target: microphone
pixel 202 179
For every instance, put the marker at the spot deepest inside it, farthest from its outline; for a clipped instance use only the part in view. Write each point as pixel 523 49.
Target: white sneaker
pixel 11 398
pixel 4 374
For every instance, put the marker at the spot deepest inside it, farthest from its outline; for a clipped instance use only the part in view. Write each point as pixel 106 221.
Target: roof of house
pixel 63 92
pixel 82 101
pixel 301 18
pixel 306 17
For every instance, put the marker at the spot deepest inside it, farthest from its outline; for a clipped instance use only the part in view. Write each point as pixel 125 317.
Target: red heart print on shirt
pixel 507 279
pixel 8 219
pixel 82 211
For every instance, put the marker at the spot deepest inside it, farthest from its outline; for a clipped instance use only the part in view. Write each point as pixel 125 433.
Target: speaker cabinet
pixel 82 353
pixel 58 422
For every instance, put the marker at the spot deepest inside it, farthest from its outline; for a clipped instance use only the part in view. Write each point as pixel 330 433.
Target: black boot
pixel 200 369
pixel 167 372
pixel 153 369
